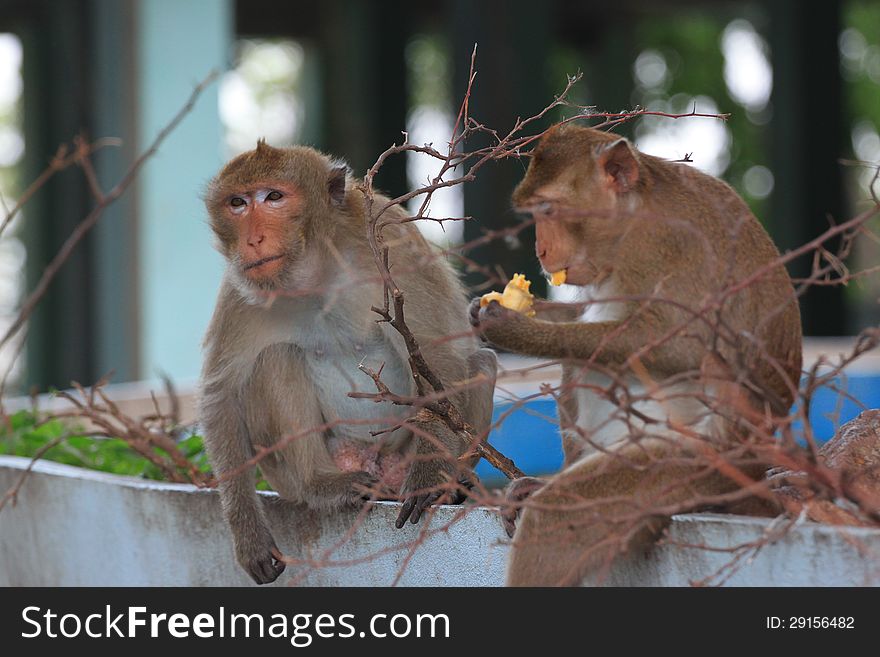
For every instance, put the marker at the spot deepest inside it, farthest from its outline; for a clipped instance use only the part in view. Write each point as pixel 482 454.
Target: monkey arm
pixel 229 449
pixel 434 469
pixel 609 343
pixel 550 311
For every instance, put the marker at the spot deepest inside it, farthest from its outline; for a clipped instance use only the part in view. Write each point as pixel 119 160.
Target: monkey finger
pixel 365 487
pixel 474 312
pixel 273 565
pixel 495 311
pixel 424 502
pixel 264 571
pixel 405 512
pixel 366 493
pixel 267 571
pixel 457 497
pixel 466 483
pixel 508 520
pixel 280 564
pixel 460 494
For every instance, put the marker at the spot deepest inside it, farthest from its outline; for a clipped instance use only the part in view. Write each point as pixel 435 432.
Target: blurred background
pixel 801 81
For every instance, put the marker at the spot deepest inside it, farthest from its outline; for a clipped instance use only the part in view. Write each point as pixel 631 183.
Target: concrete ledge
pixel 808 554
pixel 78 527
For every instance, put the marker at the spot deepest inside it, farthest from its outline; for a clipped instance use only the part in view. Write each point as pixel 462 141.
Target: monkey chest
pixel 334 372
pixel 613 410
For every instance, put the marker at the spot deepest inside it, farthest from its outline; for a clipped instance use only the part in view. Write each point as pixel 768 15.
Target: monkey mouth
pixel 261 262
pixel 557 277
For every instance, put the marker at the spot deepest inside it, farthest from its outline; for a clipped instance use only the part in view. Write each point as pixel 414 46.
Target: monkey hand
pixel 365 487
pixel 482 313
pixel 259 556
pixel 474 311
pixel 428 483
pixel 497 324
pixel 517 491
pixel 515 296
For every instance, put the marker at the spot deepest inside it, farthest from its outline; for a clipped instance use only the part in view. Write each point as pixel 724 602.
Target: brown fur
pixel 665 239
pixel 285 341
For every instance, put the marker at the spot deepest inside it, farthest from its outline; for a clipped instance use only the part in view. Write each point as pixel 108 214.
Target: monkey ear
pixel 336 183
pixel 621 166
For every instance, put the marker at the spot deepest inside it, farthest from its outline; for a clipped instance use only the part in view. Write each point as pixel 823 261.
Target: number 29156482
pixel 810 622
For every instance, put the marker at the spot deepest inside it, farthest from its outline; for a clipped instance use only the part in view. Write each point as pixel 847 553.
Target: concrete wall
pixel 77 527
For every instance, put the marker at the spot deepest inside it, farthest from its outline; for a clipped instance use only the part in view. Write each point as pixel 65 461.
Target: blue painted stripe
pixel 530 435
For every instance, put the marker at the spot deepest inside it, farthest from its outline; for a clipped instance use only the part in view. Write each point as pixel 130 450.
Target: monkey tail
pixel 605 505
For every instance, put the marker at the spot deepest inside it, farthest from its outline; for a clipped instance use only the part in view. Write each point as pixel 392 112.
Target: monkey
pixel 293 322
pixel 686 342
pixel 852 459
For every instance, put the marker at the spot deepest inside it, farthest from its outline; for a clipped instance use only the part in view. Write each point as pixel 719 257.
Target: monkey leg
pixel 478 412
pixel 602 506
pixel 302 470
pixel 435 476
pixel 254 545
pixel 325 489
pixel 229 448
pixel 284 413
pixel 435 469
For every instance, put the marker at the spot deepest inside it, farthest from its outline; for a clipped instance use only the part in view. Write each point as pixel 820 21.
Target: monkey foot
pixel 516 493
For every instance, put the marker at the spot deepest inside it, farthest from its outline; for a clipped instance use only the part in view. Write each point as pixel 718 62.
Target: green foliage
pixel 429 61
pixel 689 43
pixel 23 435
pixel 861 59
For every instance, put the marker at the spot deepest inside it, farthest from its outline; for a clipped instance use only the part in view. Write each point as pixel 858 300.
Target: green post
pixel 807 144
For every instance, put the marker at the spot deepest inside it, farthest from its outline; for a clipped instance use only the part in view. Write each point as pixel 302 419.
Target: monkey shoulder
pixel 681 190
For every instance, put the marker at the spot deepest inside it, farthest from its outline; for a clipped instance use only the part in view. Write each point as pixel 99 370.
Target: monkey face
pixel 580 189
pixel 268 233
pixel 260 228
pixel 270 209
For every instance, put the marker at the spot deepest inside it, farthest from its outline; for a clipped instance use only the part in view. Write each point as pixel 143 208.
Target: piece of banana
pixel 516 296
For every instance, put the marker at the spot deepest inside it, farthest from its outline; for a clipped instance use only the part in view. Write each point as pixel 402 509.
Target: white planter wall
pixel 78 527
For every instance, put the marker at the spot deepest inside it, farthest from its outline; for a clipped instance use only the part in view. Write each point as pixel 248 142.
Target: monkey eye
pixel 273 196
pixel 237 202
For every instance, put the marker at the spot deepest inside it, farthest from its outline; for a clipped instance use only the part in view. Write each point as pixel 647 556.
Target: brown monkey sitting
pixel 686 343
pixel 292 323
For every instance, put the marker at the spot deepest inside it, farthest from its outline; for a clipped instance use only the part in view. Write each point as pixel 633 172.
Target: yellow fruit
pixel 492 296
pixel 557 278
pixel 516 296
